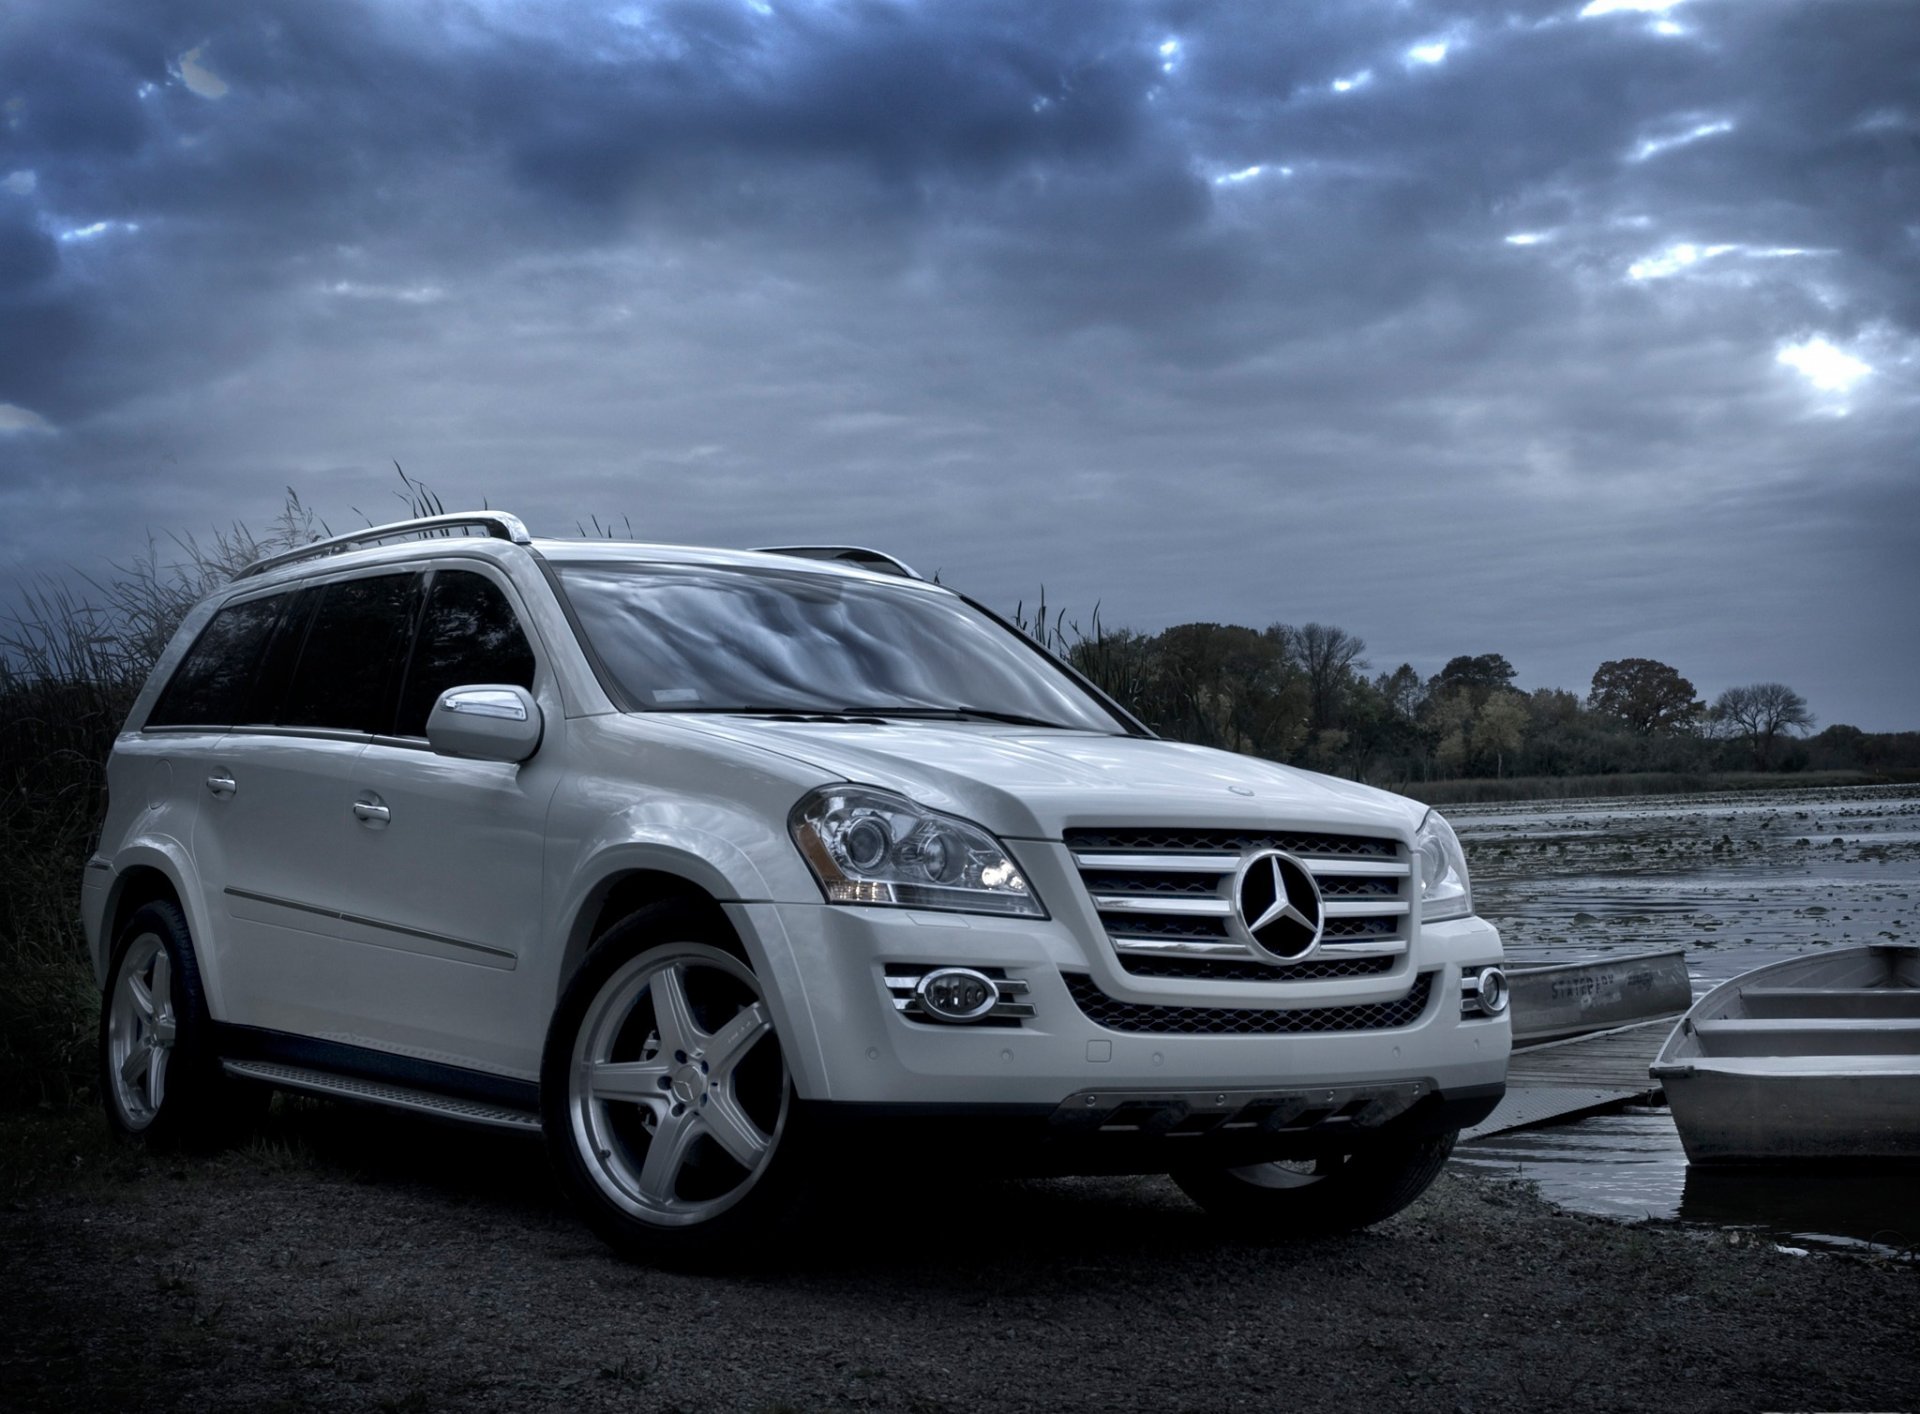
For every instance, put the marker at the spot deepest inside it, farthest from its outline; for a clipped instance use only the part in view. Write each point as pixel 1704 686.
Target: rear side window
pixel 214 682
pixel 350 665
pixel 468 635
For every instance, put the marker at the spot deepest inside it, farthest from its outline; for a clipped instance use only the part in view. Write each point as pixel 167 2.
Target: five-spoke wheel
pixel 159 1076
pixel 667 1100
pixel 141 1029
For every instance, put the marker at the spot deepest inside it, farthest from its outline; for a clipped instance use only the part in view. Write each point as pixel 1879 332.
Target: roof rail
pixel 848 554
pixel 499 526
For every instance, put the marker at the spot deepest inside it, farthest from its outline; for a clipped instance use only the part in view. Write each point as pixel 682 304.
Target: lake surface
pixel 1737 880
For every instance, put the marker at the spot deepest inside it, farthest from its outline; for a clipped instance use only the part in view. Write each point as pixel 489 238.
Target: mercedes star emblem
pixel 1277 905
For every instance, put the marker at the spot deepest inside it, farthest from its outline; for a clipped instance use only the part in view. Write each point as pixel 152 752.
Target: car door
pixel 447 863
pixel 273 840
pixel 176 765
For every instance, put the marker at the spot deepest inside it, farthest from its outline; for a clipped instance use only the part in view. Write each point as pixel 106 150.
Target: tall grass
pixel 72 660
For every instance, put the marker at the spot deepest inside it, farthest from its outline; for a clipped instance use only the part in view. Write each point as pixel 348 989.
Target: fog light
pixel 1486 992
pixel 957 994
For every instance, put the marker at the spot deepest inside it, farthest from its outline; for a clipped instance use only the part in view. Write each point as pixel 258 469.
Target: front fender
pixel 662 840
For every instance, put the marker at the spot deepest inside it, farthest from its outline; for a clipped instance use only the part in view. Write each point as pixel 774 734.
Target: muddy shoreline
pixel 348 1259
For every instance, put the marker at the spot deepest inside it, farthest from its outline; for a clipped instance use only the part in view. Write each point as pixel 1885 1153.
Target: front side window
pixel 214 682
pixel 468 634
pixel 349 667
pixel 692 638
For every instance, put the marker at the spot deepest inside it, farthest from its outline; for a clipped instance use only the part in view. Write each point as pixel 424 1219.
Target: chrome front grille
pixel 1163 897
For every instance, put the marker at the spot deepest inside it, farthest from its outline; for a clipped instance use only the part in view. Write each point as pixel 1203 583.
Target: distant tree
pixel 1483 672
pixel 1840 748
pixel 1329 657
pixel 1401 690
pixel 1452 722
pixel 1500 729
pixel 1644 693
pixel 1328 750
pixel 1552 706
pixel 1762 713
pixel 1228 686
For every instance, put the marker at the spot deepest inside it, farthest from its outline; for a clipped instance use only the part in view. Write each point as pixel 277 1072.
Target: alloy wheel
pixel 677 1091
pixel 141 1030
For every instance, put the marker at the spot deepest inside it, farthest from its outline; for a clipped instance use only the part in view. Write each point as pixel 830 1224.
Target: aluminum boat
pixel 1813 1058
pixel 1553 1000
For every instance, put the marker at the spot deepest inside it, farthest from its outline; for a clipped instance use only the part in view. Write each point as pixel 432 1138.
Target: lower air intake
pixel 1117 1015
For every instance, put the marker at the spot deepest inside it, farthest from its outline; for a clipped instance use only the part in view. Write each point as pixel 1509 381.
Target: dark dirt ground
pixel 348 1259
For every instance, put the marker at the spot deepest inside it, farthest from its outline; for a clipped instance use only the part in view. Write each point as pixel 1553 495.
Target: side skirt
pixel 378 1077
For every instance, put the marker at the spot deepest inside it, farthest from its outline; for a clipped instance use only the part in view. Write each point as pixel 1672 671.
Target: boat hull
pixel 1728 1116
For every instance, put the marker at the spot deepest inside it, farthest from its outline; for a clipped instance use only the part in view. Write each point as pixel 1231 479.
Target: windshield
pixel 693 638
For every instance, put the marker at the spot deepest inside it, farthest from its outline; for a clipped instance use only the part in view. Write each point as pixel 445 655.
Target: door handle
pixel 222 784
pixel 371 812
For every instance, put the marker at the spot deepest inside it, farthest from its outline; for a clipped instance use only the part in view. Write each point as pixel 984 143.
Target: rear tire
pixel 668 1110
pixel 1343 1192
pixel 160 1079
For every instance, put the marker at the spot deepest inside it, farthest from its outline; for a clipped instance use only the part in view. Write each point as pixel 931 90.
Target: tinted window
pixel 691 638
pixel 350 663
pixel 468 634
pixel 212 685
pixel 270 679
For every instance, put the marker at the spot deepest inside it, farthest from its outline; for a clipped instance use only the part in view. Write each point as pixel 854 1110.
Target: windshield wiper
pixel 758 710
pixel 957 714
pixel 870 713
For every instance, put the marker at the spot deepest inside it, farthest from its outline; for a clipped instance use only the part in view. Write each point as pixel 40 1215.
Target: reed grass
pixel 72 660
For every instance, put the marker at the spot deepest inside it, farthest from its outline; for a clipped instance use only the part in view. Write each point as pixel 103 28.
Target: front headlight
pixel 1443 871
pixel 871 846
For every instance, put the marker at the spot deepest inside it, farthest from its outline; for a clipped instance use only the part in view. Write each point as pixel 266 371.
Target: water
pixel 1630 1165
pixel 1736 880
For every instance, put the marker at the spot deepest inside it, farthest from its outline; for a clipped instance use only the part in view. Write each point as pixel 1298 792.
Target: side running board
pixel 346 1087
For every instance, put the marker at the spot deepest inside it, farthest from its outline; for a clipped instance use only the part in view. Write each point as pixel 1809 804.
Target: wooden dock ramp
pixel 1560 1080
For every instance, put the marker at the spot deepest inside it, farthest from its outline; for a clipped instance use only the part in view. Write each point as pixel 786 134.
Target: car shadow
pixel 907 1225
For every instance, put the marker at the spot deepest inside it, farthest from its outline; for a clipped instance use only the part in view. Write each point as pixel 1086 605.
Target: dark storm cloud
pixel 1052 149
pixel 1484 297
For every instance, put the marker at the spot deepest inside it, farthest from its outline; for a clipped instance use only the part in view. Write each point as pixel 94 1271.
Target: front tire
pixel 665 1098
pixel 1339 1193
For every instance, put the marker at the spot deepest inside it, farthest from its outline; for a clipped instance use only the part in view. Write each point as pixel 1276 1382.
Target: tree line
pixel 1305 694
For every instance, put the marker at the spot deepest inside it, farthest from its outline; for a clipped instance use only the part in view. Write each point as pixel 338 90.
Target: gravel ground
pixel 348 1259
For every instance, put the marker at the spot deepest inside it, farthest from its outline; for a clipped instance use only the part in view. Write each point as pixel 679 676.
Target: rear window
pixel 214 682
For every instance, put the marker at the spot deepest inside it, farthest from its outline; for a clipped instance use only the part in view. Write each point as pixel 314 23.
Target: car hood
pixel 1034 784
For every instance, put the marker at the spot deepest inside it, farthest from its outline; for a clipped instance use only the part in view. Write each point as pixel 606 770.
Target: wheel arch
pixel 627 889
pixel 632 877
pixel 143 875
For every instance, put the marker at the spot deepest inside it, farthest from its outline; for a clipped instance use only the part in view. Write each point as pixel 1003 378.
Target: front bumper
pixel 847 1043
pixel 1115 1132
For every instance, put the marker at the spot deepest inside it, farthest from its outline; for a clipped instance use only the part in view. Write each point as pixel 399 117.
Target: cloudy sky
pixel 1567 333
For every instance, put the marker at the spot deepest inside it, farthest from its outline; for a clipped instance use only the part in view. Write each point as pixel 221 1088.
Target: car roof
pixel 295 566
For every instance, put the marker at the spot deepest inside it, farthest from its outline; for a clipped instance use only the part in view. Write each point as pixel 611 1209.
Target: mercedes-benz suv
pixel 715 867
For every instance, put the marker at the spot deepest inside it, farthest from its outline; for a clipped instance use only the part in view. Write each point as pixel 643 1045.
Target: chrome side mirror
pixel 486 722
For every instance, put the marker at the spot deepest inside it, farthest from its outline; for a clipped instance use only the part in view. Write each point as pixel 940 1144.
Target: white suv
pixel 712 864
